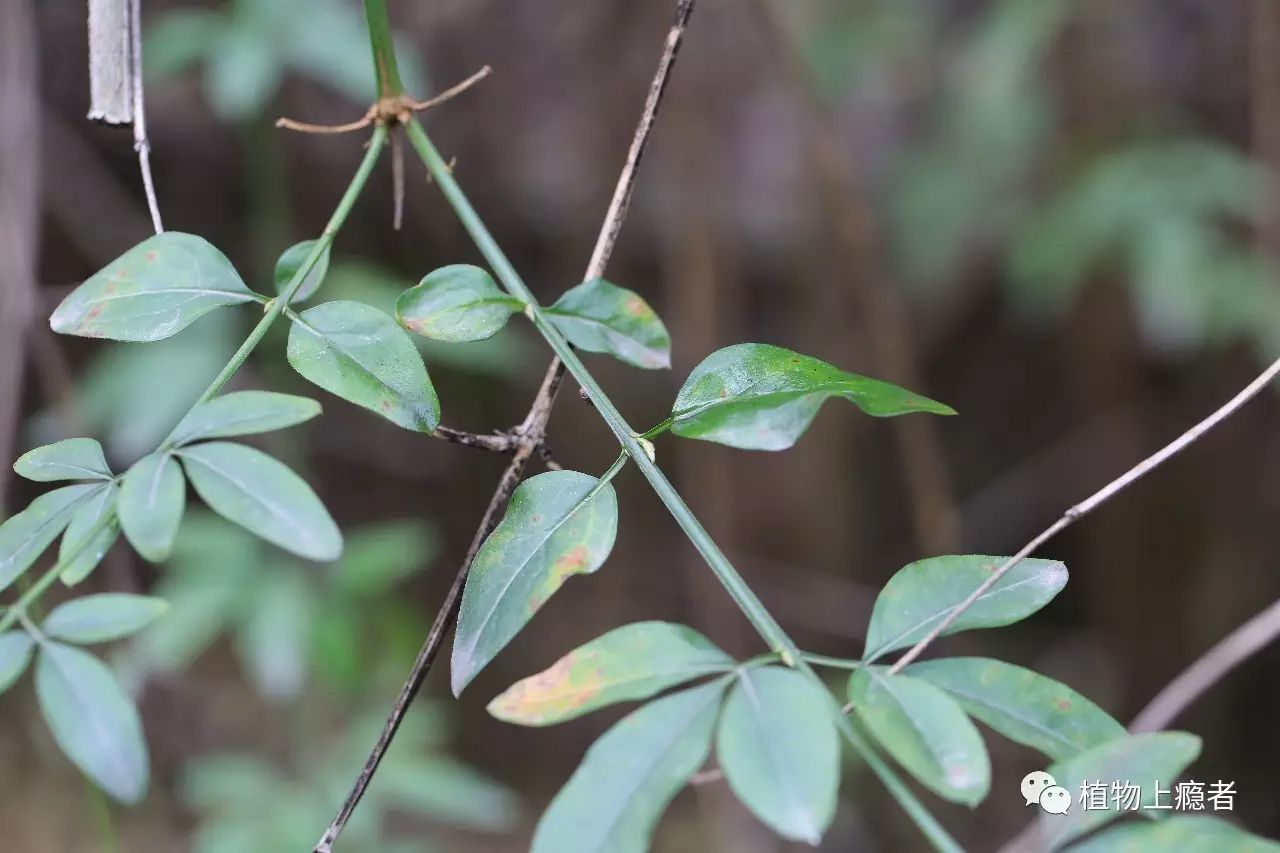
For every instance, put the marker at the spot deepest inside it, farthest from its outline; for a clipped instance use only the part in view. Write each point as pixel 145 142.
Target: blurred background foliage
pixel 1070 207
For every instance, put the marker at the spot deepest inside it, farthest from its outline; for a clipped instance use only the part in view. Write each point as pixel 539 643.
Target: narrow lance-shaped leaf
pixel 1180 834
pixel 289 264
pixel 92 719
pixel 925 731
pixel 780 752
pixel 15 654
pixel 632 662
pixel 70 459
pixel 153 497
pixel 360 354
pixel 262 495
pixel 244 413
pixel 456 304
pixel 25 536
pixel 630 774
pixel 102 618
pixel 762 397
pixel 923 594
pixel 153 291
pixel 601 317
pixel 1022 705
pixel 98 508
pixel 558 524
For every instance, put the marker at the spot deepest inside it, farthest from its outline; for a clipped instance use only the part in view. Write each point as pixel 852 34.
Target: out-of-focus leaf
pixel 780 752
pixel 262 495
pixel 70 459
pixel 925 731
pixel 1179 834
pixel 103 617
pixel 378 557
pixel 98 506
pixel 25 535
pixel 360 354
pixel 92 720
pixel 558 524
pixel 179 39
pixel 628 663
pixel 456 304
pixel 153 497
pixel 243 73
pixel 445 790
pixel 244 413
pixel 762 397
pixel 153 291
pixel 601 317
pixel 1022 705
pixel 924 593
pixel 15 654
pixel 276 635
pixel 216 782
pixel 630 774
pixel 289 264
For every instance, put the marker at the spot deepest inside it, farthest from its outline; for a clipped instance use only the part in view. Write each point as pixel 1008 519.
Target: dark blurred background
pixel 1058 217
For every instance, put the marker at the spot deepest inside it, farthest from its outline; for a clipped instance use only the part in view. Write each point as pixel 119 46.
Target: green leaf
pixel 457 303
pixel 276 633
pixel 153 497
pixel 924 593
pixel 99 505
pixel 25 536
pixel 558 524
pixel 377 557
pixel 449 792
pixel 601 317
pixel 244 413
pixel 1144 760
pixel 153 291
pixel 1022 705
pixel 262 495
pixel 925 731
pixel 632 662
pixel 761 397
pixel 104 617
pixel 629 775
pixel 1180 834
pixel 289 264
pixel 71 459
pixel 93 720
pixel 15 654
pixel 359 353
pixel 780 752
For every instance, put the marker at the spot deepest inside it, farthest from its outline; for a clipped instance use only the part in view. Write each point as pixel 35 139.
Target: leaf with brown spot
pixel 524 562
pixel 601 317
pixel 632 662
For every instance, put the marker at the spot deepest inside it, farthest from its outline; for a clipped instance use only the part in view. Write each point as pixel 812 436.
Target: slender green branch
pixel 834 663
pixel 384 52
pixel 743 596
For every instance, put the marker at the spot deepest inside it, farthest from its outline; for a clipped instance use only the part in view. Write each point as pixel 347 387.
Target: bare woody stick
pixel 530 434
pixel 1094 501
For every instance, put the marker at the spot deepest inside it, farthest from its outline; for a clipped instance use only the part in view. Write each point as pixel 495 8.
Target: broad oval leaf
pixel 25 536
pixel 1022 705
pixel 360 354
pixel 262 495
pixel 601 317
pixel 153 291
pixel 101 618
pixel 1144 760
pixel 762 397
pixel 80 555
pixel 1180 834
pixel 15 654
pixel 93 720
pixel 925 731
pixel 289 264
pixel 922 594
pixel 457 303
pixel 70 459
pixel 153 497
pixel 558 524
pixel 780 752
pixel 632 662
pixel 244 413
pixel 615 797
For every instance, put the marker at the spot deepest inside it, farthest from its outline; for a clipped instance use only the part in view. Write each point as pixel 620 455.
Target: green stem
pixel 384 52
pixel 747 601
pixel 659 429
pixel 834 663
